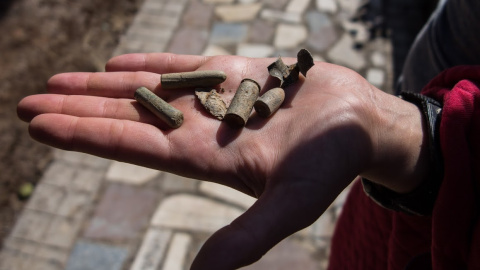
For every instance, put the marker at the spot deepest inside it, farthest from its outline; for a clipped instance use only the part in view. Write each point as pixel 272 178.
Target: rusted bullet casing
pixel 269 102
pixel 166 112
pixel 200 78
pixel 242 103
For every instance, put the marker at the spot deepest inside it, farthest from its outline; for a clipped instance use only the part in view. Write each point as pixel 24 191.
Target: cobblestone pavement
pixel 92 213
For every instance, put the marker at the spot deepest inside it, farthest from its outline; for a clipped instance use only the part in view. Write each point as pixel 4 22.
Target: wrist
pixel 400 140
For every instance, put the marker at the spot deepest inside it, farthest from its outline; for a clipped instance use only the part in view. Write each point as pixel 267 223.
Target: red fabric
pixel 371 237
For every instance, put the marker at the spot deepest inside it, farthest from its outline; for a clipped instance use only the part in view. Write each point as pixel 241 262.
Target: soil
pixel 39 39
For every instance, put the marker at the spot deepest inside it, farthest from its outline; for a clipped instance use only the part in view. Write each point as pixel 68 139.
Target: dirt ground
pixel 39 39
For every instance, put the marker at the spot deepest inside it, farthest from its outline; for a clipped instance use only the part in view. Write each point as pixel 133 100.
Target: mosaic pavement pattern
pixel 91 213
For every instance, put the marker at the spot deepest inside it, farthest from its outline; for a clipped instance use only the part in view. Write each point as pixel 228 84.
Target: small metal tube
pixel 200 78
pixel 242 103
pixel 269 102
pixel 166 112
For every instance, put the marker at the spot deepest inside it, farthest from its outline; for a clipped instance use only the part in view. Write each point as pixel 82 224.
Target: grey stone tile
pixel 72 176
pixel 18 245
pixel 321 41
pixel 280 16
pixel 238 13
pixel 188 40
pixel 324 226
pixel 95 162
pixel 376 77
pixel 349 6
pixel 317 21
pixel 10 260
pixel 87 180
pixel 290 52
pixel 327 6
pixel 151 6
pixel 46 198
pixel 218 1
pixel 122 213
pixel 70 156
pixel 287 255
pixel 297 6
pixel 173 8
pixel 135 45
pixel 290 36
pixel 154 46
pixel 40 264
pixel 198 15
pixel 177 252
pixel 342 53
pixel 31 225
pixel 227 194
pixel 92 256
pixel 81 159
pixel 73 199
pixel 228 33
pixel 147 35
pixel 212 50
pixel 322 31
pixel 53 255
pixel 172 183
pixel 130 174
pixel 154 21
pixel 62 232
pixel 59 173
pixel 126 45
pixel 39 253
pixel 152 250
pixel 261 32
pixel 378 59
pixel 184 2
pixel 255 50
pixel 275 4
pixel 193 213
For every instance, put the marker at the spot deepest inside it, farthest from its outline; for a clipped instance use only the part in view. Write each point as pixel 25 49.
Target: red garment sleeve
pixel 371 237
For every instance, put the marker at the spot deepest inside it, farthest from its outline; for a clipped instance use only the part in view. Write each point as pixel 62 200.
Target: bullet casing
pixel 269 102
pixel 242 103
pixel 166 112
pixel 200 78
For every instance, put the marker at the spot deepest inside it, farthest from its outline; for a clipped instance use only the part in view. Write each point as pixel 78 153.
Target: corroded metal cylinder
pixel 269 102
pixel 242 103
pixel 199 78
pixel 166 112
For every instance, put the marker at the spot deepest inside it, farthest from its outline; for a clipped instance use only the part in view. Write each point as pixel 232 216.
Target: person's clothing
pixel 369 236
pixel 450 38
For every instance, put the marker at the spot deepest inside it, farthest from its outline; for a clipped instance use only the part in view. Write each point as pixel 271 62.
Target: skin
pixel 332 127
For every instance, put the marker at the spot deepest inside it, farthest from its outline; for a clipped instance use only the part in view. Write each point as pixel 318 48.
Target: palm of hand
pixel 295 162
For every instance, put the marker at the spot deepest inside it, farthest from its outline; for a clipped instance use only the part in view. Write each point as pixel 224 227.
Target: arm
pixel 332 127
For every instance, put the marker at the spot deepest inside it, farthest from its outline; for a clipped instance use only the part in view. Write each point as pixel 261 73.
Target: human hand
pixel 295 162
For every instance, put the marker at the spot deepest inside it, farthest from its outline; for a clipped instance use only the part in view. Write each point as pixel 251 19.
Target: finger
pixel 114 84
pixel 277 214
pixel 128 141
pixel 109 138
pixel 155 62
pixel 83 106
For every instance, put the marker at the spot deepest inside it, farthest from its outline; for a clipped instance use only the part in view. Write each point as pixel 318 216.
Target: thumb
pixel 278 213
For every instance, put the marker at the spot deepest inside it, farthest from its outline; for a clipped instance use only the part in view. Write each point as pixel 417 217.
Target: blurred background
pixel 63 210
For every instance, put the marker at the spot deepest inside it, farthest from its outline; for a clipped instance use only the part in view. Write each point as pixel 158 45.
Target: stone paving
pixel 92 213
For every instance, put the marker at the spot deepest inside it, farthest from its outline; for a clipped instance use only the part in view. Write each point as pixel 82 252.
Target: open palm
pixel 295 162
